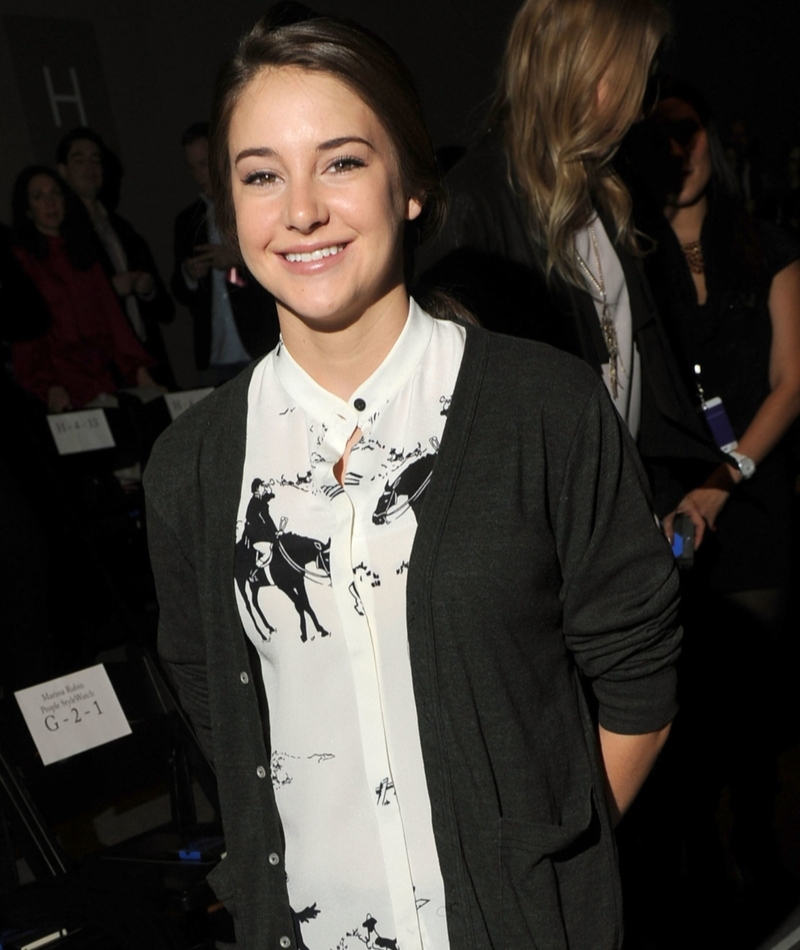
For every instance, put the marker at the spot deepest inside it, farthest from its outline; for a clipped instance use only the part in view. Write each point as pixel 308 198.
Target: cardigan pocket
pixel 221 883
pixel 559 883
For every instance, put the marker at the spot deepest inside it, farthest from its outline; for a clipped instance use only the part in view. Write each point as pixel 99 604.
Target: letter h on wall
pixel 73 98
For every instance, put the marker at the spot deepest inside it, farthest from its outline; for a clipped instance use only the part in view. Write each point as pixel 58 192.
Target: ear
pixel 413 209
pixel 62 170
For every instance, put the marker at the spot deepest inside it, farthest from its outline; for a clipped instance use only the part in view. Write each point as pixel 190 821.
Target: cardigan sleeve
pixel 181 644
pixel 620 585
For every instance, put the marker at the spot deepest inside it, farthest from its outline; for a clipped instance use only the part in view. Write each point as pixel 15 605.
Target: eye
pixel 345 163
pixel 260 178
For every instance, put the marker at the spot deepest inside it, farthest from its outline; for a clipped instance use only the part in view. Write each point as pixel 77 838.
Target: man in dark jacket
pixel 234 317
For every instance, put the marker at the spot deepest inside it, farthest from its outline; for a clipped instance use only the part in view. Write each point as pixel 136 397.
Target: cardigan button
pixel 285 942
pixel 359 404
pixel 274 859
pixel 244 678
pixel 261 772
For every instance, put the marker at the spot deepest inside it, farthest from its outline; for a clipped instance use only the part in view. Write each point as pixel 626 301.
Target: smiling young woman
pixel 320 212
pixel 389 551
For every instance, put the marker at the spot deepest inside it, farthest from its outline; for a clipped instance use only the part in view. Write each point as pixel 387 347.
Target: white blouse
pixel 320 577
pixel 628 398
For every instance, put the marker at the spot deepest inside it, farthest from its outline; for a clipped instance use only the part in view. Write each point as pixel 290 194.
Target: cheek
pixel 255 229
pixel 701 158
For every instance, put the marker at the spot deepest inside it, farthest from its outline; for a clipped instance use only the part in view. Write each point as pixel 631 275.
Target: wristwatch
pixel 746 466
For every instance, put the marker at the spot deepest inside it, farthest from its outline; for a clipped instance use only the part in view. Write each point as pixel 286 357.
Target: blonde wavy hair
pixel 562 58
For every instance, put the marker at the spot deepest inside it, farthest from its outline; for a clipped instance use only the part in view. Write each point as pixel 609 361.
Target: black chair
pixel 106 845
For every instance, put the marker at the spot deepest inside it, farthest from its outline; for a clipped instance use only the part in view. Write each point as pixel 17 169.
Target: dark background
pixel 145 69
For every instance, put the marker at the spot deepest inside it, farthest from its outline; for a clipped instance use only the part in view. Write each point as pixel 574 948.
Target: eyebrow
pixel 266 152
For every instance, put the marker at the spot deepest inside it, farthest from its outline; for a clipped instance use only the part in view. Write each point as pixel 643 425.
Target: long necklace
pixel 606 321
pixel 693 252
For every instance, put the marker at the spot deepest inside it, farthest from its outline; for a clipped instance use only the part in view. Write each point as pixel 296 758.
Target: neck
pixel 687 222
pixel 341 359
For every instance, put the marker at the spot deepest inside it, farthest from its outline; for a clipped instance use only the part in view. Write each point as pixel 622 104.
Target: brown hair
pixel 558 139
pixel 361 61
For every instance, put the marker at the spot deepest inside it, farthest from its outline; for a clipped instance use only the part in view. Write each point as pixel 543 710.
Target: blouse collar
pixel 369 399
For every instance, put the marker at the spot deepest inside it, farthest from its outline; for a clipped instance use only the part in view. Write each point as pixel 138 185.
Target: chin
pixel 323 317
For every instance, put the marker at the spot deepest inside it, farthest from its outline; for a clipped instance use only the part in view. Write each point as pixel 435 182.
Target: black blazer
pixel 161 309
pixel 253 307
pixel 486 257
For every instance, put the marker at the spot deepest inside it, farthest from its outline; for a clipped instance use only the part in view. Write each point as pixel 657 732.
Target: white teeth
pixel 314 255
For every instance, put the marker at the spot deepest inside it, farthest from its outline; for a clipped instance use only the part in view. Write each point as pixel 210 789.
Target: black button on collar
pixel 359 404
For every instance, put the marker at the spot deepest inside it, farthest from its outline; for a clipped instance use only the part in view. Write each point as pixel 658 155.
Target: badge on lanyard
pixel 716 417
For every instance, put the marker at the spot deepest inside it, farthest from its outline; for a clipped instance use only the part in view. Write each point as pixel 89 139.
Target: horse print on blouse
pixel 385 792
pixel 358 604
pixel 267 555
pixel 407 491
pixel 281 770
pixel 367 935
pixel 303 917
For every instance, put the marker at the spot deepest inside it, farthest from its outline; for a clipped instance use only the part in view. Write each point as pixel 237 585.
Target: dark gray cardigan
pixel 538 577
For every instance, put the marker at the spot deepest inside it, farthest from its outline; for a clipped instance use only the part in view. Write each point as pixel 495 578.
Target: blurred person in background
pixel 728 287
pixel 234 317
pixel 539 241
pixel 88 348
pixel 86 164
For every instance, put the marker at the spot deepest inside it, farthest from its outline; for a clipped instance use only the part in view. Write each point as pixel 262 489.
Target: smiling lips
pixel 316 255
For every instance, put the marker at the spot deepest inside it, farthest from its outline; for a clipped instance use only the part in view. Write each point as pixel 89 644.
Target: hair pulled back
pixel 364 63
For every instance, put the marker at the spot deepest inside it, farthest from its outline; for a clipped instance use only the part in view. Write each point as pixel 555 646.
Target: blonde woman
pixel 539 241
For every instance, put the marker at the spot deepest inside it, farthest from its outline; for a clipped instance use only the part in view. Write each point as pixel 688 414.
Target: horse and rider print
pixel 267 555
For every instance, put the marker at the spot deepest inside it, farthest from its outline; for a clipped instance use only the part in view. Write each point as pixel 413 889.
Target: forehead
pixel 674 110
pixel 83 148
pixel 290 101
pixel 41 183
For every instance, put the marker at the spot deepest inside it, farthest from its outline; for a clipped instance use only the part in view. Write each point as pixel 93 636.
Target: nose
pixel 306 209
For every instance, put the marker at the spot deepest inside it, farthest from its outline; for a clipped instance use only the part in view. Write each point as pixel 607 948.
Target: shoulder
pixel 779 248
pixel 533 377
pixel 23 255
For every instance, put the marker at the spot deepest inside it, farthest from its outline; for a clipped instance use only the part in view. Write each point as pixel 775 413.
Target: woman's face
pixel 688 142
pixel 320 207
pixel 45 204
